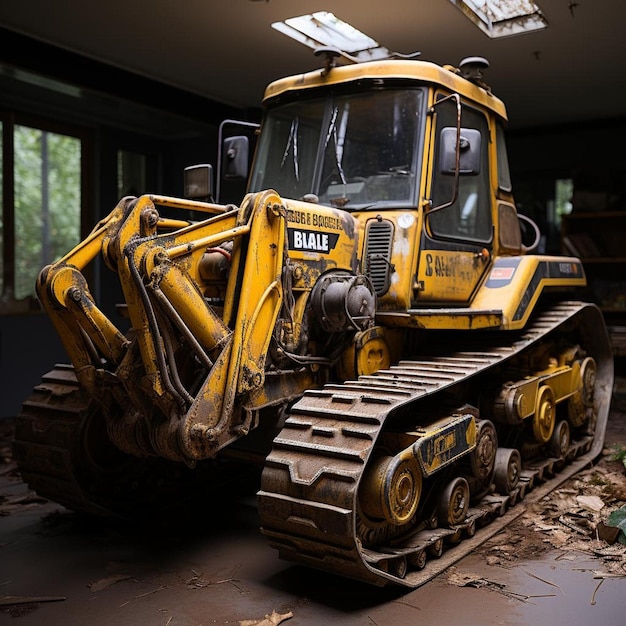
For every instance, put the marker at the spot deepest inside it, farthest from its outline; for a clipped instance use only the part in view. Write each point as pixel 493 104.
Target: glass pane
pixel 131 173
pixel 503 18
pixel 563 193
pixel 323 30
pixel 349 150
pixel 369 148
pixel 47 202
pixel 288 148
pixel 504 173
pixel 469 218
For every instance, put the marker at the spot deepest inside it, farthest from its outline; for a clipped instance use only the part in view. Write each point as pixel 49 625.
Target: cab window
pixel 469 216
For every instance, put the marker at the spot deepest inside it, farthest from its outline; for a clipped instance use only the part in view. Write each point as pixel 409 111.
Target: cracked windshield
pixel 349 151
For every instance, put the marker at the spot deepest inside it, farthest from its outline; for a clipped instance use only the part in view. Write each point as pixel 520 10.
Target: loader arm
pixel 159 265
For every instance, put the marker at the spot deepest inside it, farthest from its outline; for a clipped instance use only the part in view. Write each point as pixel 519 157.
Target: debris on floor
pixel 468 579
pixel 269 620
pixel 582 516
pixel 104 583
pixel 10 504
pixel 18 606
pixel 10 600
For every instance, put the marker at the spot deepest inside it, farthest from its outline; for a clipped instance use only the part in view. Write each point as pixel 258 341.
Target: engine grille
pixel 378 239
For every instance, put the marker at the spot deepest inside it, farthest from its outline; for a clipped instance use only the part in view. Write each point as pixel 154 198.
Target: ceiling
pixel 227 51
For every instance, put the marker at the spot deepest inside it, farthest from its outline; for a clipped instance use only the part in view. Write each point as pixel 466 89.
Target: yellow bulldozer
pixel 371 324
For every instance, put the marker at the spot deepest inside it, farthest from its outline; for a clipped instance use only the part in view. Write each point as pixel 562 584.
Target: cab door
pixel 457 238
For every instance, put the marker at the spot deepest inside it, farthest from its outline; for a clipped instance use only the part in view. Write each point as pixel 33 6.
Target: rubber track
pixel 96 478
pixel 308 495
pixel 46 431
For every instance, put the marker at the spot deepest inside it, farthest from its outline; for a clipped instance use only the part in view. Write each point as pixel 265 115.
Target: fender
pixel 505 299
pixel 514 284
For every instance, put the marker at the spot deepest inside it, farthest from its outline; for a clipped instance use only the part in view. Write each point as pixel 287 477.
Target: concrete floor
pixel 217 569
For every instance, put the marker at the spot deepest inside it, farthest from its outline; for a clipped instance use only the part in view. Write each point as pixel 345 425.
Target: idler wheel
pixel 391 489
pixel 483 457
pixel 582 399
pixel 588 371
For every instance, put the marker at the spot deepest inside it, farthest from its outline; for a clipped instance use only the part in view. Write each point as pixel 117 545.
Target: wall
pixel 29 347
pixel 176 129
pixel 591 154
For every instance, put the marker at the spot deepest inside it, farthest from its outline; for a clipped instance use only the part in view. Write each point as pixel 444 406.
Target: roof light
pixel 503 18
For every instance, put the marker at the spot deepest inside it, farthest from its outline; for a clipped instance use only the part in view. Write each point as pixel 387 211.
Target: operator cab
pixel 349 149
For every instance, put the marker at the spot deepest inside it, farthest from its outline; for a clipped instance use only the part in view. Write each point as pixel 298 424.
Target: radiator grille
pixel 378 239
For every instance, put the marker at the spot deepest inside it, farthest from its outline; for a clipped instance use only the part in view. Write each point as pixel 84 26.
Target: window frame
pixel 440 228
pixel 9 119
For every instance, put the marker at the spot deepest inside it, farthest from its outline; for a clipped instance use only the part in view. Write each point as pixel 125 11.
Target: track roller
pixel 454 502
pixel 507 470
pixel 560 440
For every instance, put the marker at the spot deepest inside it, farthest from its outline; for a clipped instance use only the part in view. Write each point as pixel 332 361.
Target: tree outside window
pixel 40 219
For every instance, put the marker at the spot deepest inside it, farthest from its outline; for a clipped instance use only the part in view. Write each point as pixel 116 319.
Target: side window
pixel 469 217
pixel 287 148
pixel 504 174
pixel 40 209
pixel 131 173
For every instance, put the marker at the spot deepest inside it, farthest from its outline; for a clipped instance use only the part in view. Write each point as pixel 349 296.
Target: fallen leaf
pixel 609 534
pixel 468 579
pixel 269 620
pixel 592 503
pixel 618 519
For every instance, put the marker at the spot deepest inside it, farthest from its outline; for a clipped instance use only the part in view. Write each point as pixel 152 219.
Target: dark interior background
pixel 562 89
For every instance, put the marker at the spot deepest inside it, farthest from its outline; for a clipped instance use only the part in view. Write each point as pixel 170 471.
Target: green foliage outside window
pixel 47 202
pixel 563 192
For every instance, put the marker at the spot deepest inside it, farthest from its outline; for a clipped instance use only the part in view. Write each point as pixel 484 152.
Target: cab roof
pixel 419 71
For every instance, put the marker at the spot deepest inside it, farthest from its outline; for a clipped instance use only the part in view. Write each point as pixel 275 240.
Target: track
pixel 64 454
pixel 308 499
pixel 45 439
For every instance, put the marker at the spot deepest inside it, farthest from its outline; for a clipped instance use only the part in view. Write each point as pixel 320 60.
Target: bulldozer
pixel 371 326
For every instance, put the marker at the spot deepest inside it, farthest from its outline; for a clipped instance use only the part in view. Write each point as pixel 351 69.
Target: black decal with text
pixel 312 240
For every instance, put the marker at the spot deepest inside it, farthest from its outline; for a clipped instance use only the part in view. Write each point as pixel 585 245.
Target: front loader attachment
pixel 174 384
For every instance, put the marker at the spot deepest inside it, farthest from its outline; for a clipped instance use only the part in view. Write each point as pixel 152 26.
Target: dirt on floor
pixel 577 519
pixel 573 518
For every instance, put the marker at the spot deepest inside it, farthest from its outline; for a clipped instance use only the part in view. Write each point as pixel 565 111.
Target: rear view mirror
pixel 235 157
pixel 469 151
